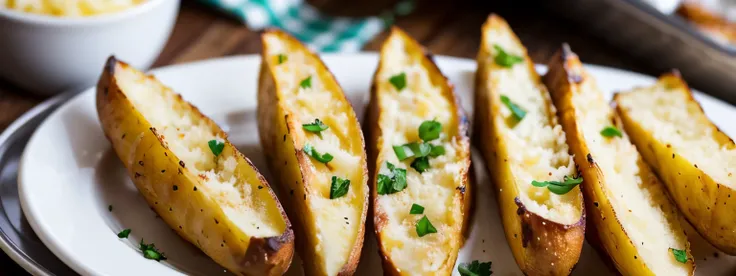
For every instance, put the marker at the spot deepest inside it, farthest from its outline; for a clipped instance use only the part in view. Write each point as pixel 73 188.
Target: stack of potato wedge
pixel 564 164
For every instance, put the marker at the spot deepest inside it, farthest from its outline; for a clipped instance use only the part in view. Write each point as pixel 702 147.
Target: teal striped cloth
pixel 321 32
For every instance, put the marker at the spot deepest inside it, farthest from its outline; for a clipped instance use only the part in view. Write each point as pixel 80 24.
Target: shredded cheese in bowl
pixel 69 8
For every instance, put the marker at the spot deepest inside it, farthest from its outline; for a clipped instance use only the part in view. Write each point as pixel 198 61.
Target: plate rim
pixel 6 245
pixel 57 249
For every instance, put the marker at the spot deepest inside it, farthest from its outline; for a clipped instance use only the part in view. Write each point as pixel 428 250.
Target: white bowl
pixel 47 55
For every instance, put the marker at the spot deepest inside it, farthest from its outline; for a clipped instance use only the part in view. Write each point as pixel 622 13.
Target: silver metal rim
pixel 6 244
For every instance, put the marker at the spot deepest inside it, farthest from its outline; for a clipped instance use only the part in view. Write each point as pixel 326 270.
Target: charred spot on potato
pixel 461 189
pixel 166 154
pixel 180 227
pixel 140 162
pixel 635 257
pixel 260 187
pixel 526 234
pixel 590 158
pixel 137 175
pixel 217 222
pixel 696 166
pixel 195 188
pixel 106 90
pixel 305 196
pixel 176 188
pixel 284 137
pixel 122 137
pixel 181 163
pixel 291 192
pixel 595 203
pixel 171 209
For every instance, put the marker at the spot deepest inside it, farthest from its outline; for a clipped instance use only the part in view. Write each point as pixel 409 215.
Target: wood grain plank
pixel 219 39
pixel 191 24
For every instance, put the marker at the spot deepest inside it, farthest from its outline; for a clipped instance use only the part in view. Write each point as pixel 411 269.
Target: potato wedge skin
pixel 374 134
pixel 540 246
pixel 708 205
pixel 155 171
pixel 291 165
pixel 605 230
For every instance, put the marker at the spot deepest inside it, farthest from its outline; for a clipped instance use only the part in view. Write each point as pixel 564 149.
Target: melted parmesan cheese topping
pixel 675 120
pixel 337 221
pixel 631 196
pixel 187 136
pixel 401 114
pixel 536 146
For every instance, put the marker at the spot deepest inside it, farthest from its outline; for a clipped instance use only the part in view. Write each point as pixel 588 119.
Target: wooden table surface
pixel 444 27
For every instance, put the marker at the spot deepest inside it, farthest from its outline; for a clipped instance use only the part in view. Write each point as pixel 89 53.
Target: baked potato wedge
pixel 314 145
pixel 630 216
pixel 185 168
pixel 419 159
pixel 516 130
pixel 694 159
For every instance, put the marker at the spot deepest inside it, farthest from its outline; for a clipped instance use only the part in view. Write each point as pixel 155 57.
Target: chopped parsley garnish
pixel 124 234
pixel 437 151
pixel 398 81
pixel 416 209
pixel 557 187
pixel 412 150
pixel 151 252
pixel 317 127
pixel 611 131
pixel 339 187
pixel 475 268
pixel 516 110
pixel 394 182
pixel 216 147
pixel 424 227
pixel 324 158
pixel 306 83
pixel 430 130
pixel 421 164
pixel 680 255
pixel 505 59
pixel 281 58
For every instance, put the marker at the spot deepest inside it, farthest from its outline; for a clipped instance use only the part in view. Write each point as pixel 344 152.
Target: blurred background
pixel 48 47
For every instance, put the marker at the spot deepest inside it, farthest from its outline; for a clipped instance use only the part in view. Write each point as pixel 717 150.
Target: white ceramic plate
pixel 69 174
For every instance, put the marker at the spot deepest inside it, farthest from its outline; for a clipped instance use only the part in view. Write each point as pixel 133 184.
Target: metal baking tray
pixel 663 41
pixel 17 239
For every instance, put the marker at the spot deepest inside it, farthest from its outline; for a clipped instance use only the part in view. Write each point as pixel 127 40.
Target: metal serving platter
pixel 664 41
pixel 17 239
